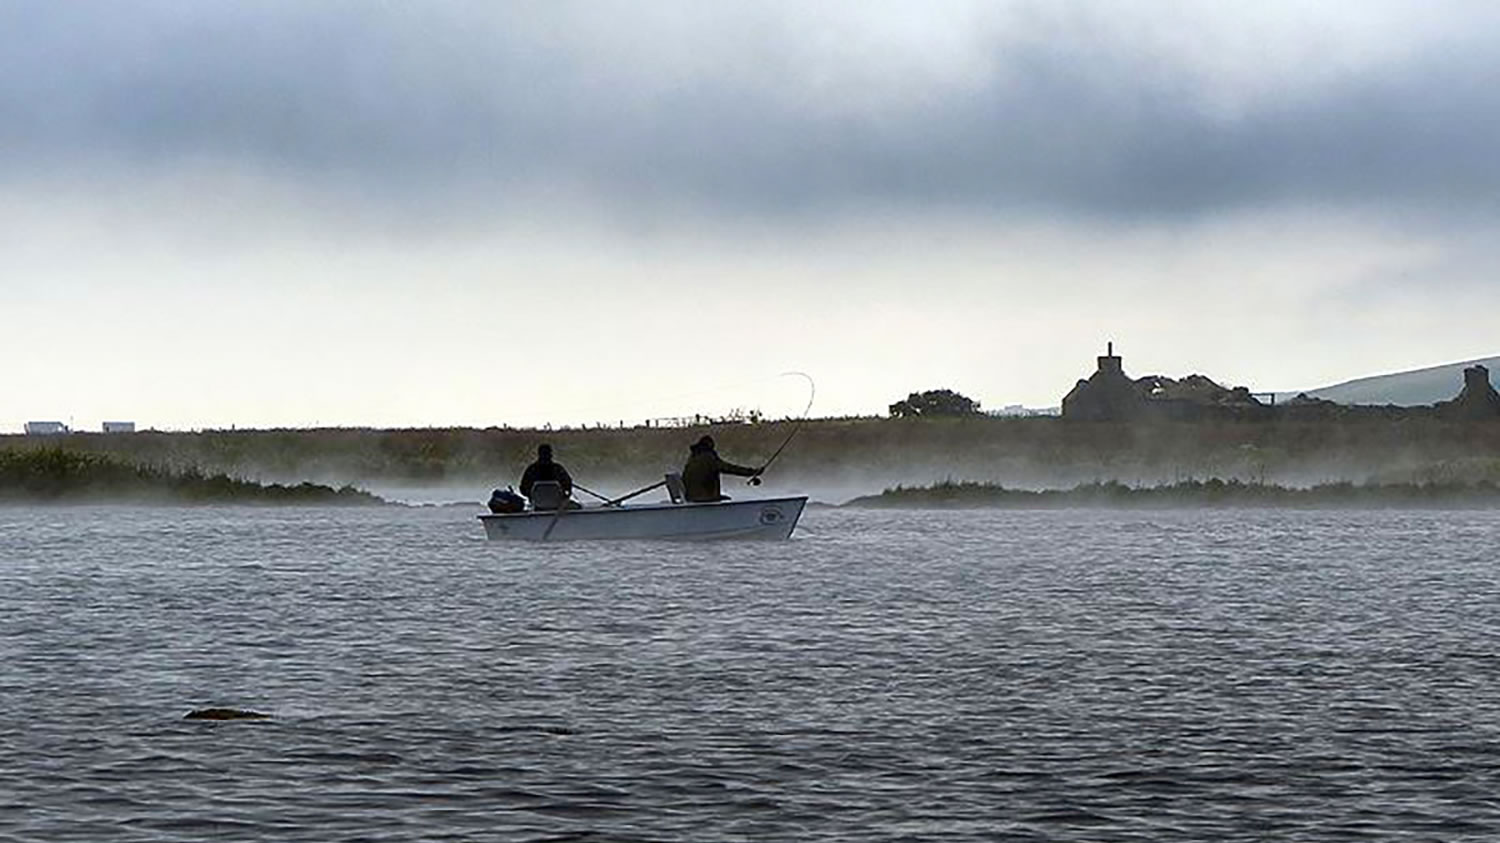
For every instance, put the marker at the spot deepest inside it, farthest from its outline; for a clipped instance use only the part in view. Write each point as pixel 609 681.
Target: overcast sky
pixel 365 213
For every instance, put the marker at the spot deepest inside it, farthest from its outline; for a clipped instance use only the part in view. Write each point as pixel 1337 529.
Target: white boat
pixel 765 518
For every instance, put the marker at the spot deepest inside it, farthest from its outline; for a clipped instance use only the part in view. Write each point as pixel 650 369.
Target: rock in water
pixel 225 714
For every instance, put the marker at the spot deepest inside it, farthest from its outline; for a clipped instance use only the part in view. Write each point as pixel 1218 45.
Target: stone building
pixel 1106 395
pixel 1111 395
pixel 1477 400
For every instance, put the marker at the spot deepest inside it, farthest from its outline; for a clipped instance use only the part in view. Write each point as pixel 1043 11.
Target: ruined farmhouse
pixel 1110 395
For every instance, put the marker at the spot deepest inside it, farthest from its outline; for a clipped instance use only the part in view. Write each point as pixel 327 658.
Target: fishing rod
pixel 812 393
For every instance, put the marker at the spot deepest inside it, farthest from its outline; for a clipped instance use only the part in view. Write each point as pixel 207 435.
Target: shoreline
pixel 58 476
pixel 1206 494
pixel 861 454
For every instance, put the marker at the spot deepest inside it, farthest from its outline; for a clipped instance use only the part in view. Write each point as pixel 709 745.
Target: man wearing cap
pixel 700 476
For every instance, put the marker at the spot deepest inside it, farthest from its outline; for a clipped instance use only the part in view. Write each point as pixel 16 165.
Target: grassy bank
pixel 1209 493
pixel 861 454
pixel 60 475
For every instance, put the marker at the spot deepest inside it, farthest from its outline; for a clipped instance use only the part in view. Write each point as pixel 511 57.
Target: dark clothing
pixel 546 470
pixel 700 477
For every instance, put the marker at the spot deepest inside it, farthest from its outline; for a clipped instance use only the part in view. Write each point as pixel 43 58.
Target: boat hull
pixel 771 519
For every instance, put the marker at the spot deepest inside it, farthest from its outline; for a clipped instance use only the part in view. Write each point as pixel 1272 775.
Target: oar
pixel 617 501
pixel 592 492
pixel 562 505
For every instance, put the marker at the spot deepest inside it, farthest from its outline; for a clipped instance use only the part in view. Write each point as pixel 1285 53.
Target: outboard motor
pixel 506 500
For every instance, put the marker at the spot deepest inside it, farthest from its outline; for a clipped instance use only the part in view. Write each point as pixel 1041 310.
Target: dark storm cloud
pixel 461 102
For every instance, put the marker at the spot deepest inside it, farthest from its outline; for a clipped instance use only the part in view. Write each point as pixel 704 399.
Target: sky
pixel 352 212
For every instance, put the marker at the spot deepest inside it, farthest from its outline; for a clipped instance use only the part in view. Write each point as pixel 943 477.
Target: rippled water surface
pixel 884 675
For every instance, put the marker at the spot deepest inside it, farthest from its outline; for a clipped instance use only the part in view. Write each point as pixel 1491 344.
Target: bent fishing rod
pixel 812 393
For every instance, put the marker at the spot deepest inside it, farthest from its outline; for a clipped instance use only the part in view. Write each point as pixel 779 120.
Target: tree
pixel 935 402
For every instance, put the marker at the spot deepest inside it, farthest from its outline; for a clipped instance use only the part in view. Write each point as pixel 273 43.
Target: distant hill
pixel 1404 389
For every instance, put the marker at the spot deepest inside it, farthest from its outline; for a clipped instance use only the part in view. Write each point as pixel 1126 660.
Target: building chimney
pixel 1109 362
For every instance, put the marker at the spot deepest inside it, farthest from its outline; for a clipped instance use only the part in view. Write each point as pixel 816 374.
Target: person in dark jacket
pixel 545 469
pixel 700 476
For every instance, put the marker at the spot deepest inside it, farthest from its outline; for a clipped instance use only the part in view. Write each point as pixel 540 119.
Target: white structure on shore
pixel 1016 410
pixel 119 427
pixel 45 428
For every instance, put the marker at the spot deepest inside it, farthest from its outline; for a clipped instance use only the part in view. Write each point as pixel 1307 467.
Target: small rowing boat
pixel 765 519
pixel 554 516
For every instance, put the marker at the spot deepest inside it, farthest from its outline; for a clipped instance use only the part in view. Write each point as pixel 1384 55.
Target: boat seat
pixel 546 494
pixel 675 488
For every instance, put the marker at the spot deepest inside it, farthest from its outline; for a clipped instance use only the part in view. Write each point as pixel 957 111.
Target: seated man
pixel 545 469
pixel 700 476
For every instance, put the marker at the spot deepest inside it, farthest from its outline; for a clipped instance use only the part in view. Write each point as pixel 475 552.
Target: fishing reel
pixel 754 481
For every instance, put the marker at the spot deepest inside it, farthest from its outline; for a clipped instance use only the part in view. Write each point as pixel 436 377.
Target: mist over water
pixel 1079 675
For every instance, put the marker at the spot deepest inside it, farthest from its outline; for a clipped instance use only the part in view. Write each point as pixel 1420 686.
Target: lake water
pixel 884 675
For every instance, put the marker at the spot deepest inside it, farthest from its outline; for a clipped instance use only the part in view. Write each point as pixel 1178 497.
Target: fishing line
pixel 812 393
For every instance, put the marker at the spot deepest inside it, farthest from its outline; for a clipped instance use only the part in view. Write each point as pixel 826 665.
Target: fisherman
pixel 700 476
pixel 545 469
